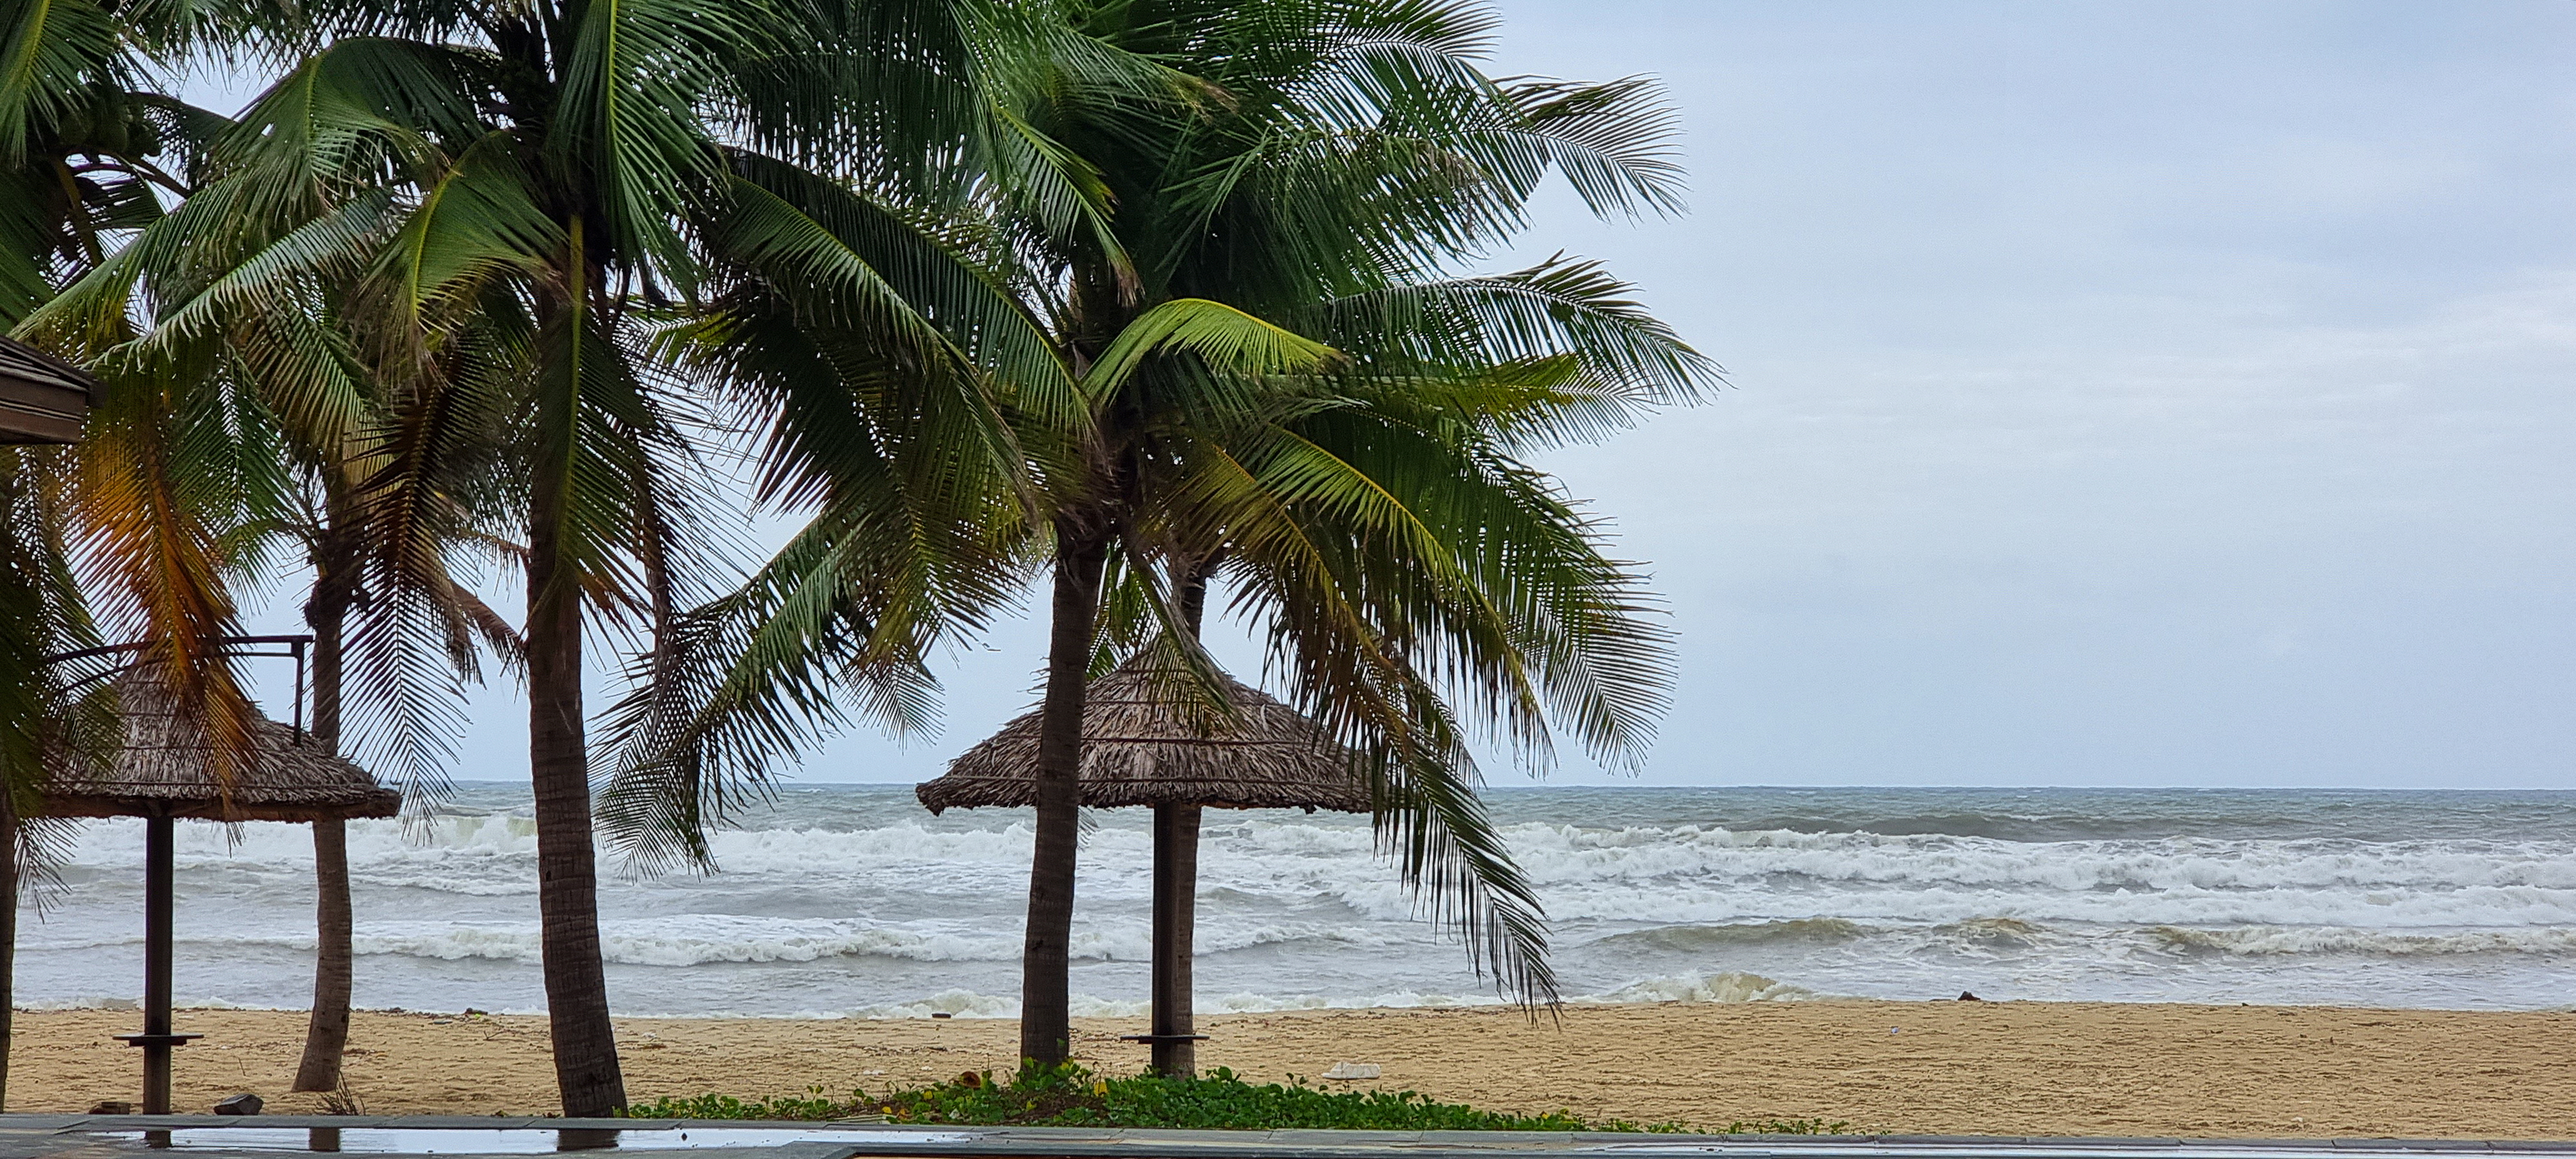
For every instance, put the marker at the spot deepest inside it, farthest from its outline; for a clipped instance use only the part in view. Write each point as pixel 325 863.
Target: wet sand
pixel 2011 1068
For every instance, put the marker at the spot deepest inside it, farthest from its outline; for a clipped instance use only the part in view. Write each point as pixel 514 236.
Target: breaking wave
pixel 850 901
pixel 2275 940
pixel 1700 988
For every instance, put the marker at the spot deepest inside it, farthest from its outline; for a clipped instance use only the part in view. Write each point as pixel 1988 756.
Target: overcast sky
pixel 2122 394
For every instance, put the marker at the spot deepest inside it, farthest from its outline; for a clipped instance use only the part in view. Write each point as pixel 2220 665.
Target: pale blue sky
pixel 2149 394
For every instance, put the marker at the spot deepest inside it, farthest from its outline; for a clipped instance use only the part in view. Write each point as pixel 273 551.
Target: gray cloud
pixel 2124 393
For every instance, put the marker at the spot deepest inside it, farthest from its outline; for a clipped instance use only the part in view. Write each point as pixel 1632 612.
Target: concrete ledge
pixel 58 1135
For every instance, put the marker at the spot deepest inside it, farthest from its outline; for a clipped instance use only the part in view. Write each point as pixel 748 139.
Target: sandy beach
pixel 1923 1067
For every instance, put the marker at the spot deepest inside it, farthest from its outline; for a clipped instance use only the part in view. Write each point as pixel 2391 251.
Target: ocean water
pixel 851 900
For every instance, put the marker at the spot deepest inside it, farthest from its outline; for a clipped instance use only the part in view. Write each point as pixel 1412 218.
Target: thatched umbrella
pixel 1150 737
pixel 162 773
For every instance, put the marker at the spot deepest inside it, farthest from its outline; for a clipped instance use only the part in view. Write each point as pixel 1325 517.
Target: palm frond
pixel 1227 339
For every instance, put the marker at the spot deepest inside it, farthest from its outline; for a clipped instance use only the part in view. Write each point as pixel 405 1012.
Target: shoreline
pixel 1941 1067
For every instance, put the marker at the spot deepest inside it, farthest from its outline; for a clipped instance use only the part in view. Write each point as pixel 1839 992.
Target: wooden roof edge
pixel 381 803
pixel 72 375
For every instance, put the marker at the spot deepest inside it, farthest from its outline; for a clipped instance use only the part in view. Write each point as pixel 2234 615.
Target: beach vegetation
pixel 278 417
pixel 1219 1099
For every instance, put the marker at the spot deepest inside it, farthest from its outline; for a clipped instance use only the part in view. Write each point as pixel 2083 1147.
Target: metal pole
pixel 158 859
pixel 299 691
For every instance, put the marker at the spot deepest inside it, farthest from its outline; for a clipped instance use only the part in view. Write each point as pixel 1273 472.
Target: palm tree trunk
pixel 585 1043
pixel 1046 1015
pixel 326 1036
pixel 1176 892
pixel 8 931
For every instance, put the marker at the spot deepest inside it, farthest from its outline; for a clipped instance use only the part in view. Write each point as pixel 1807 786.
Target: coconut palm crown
pixel 1282 386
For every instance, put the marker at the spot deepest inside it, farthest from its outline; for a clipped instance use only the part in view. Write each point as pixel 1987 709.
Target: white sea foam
pixel 1706 988
pixel 855 903
pixel 1726 986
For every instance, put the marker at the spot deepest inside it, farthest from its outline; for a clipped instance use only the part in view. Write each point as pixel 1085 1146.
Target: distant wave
pixel 2276 940
pixel 1986 932
pixel 1707 875
pixel 2015 934
pixel 1693 938
pixel 1722 987
pixel 702 940
pixel 1698 988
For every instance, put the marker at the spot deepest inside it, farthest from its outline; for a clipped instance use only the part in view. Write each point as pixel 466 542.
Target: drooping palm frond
pixel 42 617
pixel 873 352
pixel 1621 356
pixel 1229 341
pixel 750 679
pixel 157 499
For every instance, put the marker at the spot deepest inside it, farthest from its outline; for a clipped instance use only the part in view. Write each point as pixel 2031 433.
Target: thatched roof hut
pixel 1144 742
pixel 43 399
pixel 1150 737
pixel 161 772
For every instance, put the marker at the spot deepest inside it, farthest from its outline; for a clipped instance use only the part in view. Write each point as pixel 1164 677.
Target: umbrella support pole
pixel 1176 888
pixel 159 860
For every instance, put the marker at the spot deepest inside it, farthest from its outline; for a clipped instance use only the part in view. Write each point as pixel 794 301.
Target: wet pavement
pixel 277 1136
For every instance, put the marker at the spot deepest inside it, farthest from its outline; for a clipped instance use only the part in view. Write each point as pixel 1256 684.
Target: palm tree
pixel 407 659
pixel 282 407
pixel 1358 152
pixel 556 220
pixel 1329 161
pixel 333 549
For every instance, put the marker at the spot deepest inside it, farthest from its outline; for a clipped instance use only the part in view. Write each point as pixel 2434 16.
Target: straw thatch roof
pixel 161 771
pixel 1144 742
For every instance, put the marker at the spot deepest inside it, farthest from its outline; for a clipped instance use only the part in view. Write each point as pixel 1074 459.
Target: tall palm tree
pixel 1358 153
pixel 548 213
pixel 1328 163
pixel 404 653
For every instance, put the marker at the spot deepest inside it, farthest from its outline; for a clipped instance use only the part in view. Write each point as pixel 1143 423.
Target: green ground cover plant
pixel 1070 1096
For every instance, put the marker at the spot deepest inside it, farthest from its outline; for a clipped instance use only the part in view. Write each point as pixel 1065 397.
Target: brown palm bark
pixel 585 1043
pixel 326 1035
pixel 587 1076
pixel 8 931
pixel 1046 1023
pixel 1176 890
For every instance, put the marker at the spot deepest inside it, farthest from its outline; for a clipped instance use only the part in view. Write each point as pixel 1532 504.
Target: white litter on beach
pixel 1352 1070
